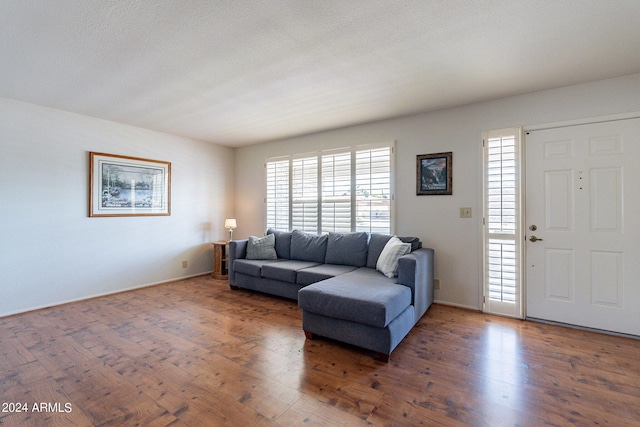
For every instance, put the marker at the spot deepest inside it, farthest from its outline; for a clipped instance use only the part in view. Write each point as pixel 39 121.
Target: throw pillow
pixel 262 247
pixel 388 261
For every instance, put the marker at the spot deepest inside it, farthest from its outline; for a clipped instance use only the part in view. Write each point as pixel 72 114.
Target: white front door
pixel 583 207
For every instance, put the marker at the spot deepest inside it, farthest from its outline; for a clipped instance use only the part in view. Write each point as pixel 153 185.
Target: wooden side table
pixel 220 260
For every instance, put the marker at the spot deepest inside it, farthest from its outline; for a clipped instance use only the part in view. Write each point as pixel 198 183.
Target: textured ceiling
pixel 243 72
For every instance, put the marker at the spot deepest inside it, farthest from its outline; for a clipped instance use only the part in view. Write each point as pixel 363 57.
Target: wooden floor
pixel 195 353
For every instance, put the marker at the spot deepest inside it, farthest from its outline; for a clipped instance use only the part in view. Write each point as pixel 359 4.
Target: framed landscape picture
pixel 128 186
pixel 433 174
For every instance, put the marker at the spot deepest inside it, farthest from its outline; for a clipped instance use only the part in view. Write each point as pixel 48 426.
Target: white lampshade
pixel 230 223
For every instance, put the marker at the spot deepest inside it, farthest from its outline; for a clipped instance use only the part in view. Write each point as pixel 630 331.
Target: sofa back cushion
pixel 308 247
pixel 347 249
pixel 377 243
pixel 283 242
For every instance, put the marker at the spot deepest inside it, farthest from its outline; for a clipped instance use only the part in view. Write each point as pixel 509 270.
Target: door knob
pixel 533 239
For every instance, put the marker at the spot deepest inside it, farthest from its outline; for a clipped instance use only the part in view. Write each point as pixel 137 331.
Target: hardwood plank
pixel 23 375
pixel 265 396
pixel 194 352
pixel 399 412
pixel 107 397
pixel 13 352
pixel 309 411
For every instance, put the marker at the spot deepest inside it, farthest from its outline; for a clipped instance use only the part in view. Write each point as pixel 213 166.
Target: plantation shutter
pixel 502 222
pixel 278 194
pixel 342 190
pixel 304 194
pixel 336 192
pixel 373 190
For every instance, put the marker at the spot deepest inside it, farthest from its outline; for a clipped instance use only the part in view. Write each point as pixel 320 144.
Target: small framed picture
pixel 128 186
pixel 433 174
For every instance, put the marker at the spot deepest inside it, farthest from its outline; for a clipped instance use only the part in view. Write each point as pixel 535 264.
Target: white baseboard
pixel 466 307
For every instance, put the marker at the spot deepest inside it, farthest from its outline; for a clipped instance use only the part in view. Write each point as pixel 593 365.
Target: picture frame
pixel 128 186
pixel 434 174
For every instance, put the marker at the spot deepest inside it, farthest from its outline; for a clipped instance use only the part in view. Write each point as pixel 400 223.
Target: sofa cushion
pixel 262 247
pixel 378 241
pixel 308 247
pixel 320 272
pixel 252 267
pixel 388 260
pixel 353 297
pixel 376 245
pixel 347 249
pixel 286 270
pixel 283 242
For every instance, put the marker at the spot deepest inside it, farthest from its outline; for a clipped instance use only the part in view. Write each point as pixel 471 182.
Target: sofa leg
pixel 309 335
pixel 383 357
pixel 235 288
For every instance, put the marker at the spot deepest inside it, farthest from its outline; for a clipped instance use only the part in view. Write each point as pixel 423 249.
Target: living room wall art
pixel 433 174
pixel 128 186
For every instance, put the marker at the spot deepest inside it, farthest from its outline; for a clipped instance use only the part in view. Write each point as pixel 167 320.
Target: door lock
pixel 533 239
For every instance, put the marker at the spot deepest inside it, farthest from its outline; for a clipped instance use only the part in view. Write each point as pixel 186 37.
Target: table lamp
pixel 230 224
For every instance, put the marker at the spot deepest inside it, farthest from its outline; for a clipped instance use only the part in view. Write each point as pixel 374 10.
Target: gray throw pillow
pixel 262 247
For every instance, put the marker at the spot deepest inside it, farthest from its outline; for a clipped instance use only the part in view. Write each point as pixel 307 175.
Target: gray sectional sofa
pixel 337 280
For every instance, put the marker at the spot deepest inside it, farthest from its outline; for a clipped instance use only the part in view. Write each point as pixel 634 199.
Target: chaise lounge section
pixel 368 290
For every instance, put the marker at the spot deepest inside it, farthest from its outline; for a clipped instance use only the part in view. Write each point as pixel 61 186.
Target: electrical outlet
pixel 436 283
pixel 184 264
pixel 465 212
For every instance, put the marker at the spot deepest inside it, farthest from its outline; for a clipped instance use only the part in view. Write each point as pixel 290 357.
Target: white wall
pixel 51 251
pixel 435 219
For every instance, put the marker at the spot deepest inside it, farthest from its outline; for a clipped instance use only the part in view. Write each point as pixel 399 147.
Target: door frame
pixel 579 122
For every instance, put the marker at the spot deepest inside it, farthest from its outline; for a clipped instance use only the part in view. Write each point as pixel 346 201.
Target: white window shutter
pixel 304 194
pixel 373 190
pixel 502 223
pixel 278 194
pixel 348 189
pixel 336 192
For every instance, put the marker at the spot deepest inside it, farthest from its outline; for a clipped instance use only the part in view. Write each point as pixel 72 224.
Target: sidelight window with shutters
pixel 342 190
pixel 502 222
